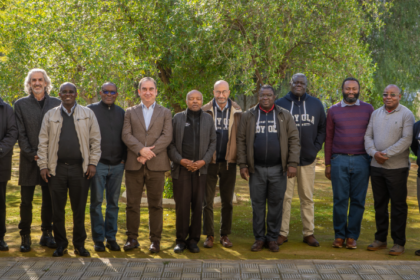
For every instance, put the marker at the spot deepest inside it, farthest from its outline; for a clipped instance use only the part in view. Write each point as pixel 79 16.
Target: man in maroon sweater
pixel 347 163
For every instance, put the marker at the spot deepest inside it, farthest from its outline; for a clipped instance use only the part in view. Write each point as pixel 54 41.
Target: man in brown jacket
pixel 268 147
pixel 147 132
pixel 226 115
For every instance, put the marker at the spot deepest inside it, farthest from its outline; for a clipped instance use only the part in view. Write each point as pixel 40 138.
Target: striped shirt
pixel 346 128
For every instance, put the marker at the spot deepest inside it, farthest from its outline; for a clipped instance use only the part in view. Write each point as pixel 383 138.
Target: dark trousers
pixel 27 196
pixel 227 179
pixel 2 209
pixel 188 195
pixel 390 184
pixel 267 185
pixel 135 181
pixel 71 178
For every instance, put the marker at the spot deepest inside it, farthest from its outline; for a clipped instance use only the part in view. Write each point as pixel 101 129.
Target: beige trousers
pixel 305 178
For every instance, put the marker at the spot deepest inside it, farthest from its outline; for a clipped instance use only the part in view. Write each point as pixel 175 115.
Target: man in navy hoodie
pixel 309 115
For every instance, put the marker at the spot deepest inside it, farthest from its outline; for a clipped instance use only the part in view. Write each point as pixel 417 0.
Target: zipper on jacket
pixel 193 121
pixel 220 147
pixel 266 137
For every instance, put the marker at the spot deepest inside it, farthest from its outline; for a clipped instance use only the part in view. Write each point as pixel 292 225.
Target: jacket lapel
pixel 156 113
pixel 139 113
pixel 181 132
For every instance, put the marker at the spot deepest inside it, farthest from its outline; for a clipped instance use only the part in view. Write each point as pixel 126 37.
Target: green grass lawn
pixel 241 237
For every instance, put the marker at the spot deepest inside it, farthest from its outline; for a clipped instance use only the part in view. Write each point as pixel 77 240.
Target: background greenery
pixel 189 44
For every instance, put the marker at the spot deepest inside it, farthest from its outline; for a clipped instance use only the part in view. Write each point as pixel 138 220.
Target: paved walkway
pixel 152 269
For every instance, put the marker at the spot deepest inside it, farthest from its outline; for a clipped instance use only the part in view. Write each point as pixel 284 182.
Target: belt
pixel 351 155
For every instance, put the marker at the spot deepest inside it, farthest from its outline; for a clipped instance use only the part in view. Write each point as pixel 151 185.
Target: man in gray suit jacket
pixel 191 151
pixel 30 111
pixel 147 132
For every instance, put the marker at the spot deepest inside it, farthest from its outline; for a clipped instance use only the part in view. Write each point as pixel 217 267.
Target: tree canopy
pixel 191 44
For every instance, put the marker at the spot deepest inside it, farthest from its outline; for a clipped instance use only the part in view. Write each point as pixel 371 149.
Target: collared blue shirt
pixel 344 104
pixel 71 111
pixel 147 113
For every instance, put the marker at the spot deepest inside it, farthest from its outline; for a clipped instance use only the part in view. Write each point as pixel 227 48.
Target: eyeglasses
pixel 222 92
pixel 390 94
pixel 109 92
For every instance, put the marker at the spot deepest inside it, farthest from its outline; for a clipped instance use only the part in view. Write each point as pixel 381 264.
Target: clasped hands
pixel 381 157
pixel 192 166
pixel 146 154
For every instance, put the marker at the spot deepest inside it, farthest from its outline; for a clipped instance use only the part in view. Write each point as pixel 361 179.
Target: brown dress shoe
pixel 351 243
pixel 224 240
pixel 154 247
pixel 281 239
pixel 338 243
pixel 131 244
pixel 257 246
pixel 208 243
pixel 311 241
pixel 273 246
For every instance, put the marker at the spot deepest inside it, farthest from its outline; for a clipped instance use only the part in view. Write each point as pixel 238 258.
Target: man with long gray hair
pixel 30 111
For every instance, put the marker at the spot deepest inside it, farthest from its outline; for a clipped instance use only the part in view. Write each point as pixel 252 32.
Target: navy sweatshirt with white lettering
pixel 267 139
pixel 309 115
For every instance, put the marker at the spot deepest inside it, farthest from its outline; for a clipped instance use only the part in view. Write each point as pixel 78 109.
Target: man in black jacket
pixel 309 116
pixel 30 111
pixel 109 171
pixel 191 150
pixel 8 137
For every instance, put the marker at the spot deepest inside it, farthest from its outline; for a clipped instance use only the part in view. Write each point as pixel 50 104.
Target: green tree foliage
pixel 396 50
pixel 185 44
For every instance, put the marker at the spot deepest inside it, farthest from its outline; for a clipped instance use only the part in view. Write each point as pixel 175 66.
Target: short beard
pixel 351 100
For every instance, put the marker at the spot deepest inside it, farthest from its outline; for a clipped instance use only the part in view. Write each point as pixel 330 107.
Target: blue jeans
pixel 350 179
pixel 108 178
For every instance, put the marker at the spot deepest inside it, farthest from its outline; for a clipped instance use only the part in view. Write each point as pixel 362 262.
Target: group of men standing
pixel 66 147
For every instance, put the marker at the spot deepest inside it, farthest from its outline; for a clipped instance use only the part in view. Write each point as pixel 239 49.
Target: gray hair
pixel 145 79
pixel 27 84
pixel 298 75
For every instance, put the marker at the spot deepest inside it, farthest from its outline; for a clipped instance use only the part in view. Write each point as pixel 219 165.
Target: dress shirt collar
pixel 344 104
pixel 71 111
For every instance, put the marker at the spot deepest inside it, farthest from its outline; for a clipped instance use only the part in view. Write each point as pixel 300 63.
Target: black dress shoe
pixel 81 251
pixel 3 245
pixel 47 239
pixel 179 248
pixel 193 247
pixel 99 247
pixel 131 244
pixel 113 245
pixel 25 246
pixel 60 251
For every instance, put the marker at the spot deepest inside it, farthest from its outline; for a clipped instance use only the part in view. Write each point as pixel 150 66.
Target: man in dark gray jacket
pixel 268 149
pixel 30 111
pixel 191 150
pixel 8 137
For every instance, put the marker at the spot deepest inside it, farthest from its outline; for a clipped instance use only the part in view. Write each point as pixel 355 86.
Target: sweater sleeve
pixel 330 128
pixel 405 140
pixel 369 143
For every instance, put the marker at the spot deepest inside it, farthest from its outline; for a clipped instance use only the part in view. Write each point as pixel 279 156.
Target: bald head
pixel 194 100
pixel 393 86
pixel 68 84
pixel 221 93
